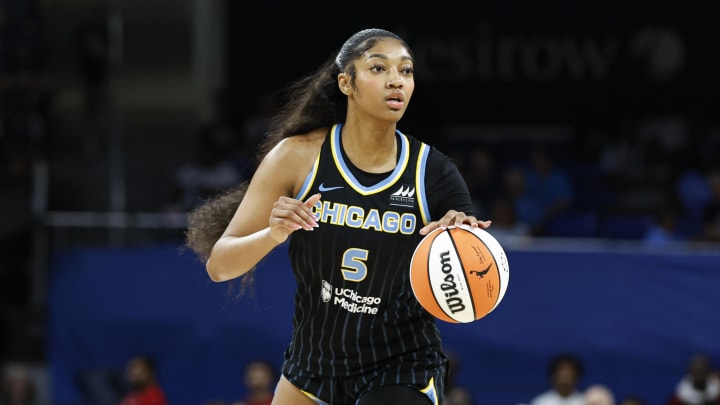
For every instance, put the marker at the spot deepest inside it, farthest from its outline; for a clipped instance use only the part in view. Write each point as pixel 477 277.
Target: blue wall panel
pixel 633 318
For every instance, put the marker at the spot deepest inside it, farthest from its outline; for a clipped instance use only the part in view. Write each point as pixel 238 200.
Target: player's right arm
pixel 267 214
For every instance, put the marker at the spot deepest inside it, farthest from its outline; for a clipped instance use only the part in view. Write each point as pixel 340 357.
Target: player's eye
pixel 377 68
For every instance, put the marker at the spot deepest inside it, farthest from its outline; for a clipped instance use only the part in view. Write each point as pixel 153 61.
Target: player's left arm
pixel 448 196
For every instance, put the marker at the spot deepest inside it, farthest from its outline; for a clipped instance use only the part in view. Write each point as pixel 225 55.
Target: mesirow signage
pixel 647 53
pixel 510 67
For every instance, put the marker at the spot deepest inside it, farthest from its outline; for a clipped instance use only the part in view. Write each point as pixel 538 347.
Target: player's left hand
pixel 454 218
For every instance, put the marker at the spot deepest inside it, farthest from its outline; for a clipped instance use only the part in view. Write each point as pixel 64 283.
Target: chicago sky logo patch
pixel 403 197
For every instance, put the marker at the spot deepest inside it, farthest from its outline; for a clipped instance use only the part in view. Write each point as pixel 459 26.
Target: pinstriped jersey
pixel 354 307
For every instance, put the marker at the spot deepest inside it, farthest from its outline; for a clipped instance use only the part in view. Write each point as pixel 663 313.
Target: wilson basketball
pixel 459 274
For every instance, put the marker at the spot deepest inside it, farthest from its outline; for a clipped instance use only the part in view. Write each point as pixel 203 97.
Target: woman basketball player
pixel 354 196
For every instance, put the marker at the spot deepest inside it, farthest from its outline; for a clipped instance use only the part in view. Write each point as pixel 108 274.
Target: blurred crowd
pixel 141 383
pixel 568 384
pixel 652 179
pixel 655 180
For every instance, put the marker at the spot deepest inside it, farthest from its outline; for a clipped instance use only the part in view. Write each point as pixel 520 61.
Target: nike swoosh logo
pixel 323 188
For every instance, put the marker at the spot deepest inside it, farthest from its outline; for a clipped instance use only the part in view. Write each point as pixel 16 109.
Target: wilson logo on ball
pixel 459 274
pixel 452 301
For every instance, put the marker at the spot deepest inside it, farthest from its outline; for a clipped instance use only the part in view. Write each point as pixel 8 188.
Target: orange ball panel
pixel 480 268
pixel 420 277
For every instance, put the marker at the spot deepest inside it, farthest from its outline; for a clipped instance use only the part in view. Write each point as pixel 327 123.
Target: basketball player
pixel 354 196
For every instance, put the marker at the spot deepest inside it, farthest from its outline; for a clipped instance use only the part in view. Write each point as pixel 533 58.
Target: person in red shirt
pixel 144 388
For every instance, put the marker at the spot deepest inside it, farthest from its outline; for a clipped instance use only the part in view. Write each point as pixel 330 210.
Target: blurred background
pixel 589 134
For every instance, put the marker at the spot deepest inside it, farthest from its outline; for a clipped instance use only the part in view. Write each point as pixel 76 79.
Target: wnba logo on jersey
pixel 404 196
pixel 326 291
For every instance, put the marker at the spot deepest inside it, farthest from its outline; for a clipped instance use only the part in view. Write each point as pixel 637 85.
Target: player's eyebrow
pixel 383 56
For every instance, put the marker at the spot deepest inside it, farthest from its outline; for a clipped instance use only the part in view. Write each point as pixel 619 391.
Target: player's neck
pixel 370 146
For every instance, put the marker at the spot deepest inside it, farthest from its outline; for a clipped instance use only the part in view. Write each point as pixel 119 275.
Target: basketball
pixel 459 274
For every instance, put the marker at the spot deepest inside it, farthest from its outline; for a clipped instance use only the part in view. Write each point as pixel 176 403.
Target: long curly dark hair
pixel 315 101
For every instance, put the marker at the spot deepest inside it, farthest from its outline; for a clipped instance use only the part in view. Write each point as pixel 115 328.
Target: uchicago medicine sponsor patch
pixel 350 300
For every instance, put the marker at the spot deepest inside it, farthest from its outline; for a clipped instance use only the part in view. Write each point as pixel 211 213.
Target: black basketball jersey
pixel 354 307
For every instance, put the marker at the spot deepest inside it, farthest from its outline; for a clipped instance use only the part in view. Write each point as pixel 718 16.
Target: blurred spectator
pixel 505 224
pixel 17 388
pixel 659 155
pixel 514 185
pixel 144 388
pixel 618 155
pixel 564 371
pixel 541 191
pixel 480 170
pixel 699 386
pixel 693 195
pixel 259 379
pixel 693 192
pixel 663 229
pixel 599 394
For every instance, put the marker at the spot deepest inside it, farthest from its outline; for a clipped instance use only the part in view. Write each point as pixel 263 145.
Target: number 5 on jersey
pixel 353 264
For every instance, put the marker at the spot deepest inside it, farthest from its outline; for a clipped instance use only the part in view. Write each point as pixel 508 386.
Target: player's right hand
pixel 290 214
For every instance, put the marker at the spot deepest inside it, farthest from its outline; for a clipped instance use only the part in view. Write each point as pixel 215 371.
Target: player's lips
pixel 395 100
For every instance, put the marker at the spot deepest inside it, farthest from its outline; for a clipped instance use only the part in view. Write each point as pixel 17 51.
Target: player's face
pixel 384 80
